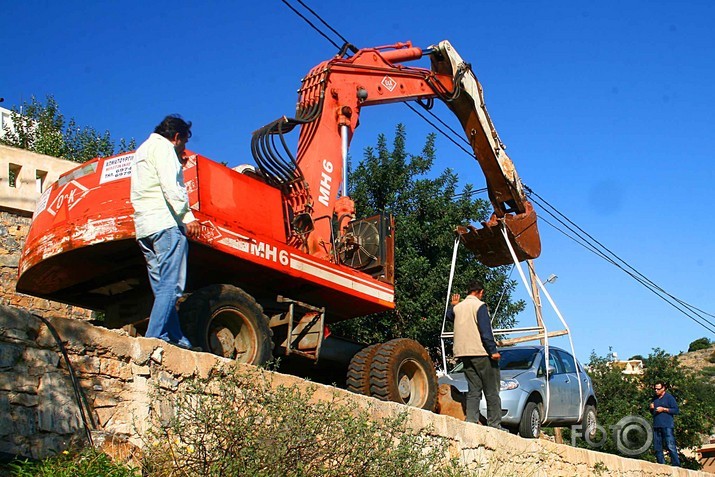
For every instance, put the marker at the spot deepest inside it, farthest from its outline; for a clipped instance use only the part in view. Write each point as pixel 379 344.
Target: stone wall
pixel 13 230
pixel 39 415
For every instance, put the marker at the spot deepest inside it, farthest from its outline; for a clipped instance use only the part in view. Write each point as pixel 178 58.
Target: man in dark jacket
pixel 663 409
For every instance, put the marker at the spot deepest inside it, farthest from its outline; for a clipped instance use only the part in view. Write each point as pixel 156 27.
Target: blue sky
pixel 607 110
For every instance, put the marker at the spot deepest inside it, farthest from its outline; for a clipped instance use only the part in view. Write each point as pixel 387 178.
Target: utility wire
pixel 590 243
pixel 320 32
pixel 581 236
pixel 345 42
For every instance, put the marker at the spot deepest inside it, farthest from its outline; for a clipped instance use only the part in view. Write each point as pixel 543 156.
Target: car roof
pixel 534 347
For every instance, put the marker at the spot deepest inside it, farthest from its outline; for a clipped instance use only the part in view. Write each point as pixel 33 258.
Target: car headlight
pixel 509 384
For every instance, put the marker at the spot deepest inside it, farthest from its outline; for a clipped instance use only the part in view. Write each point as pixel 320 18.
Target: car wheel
pixel 589 422
pixel 530 425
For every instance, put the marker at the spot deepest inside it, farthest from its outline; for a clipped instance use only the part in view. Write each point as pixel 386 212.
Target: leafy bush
pixel 85 463
pixel 698 344
pixel 241 425
pixel 712 357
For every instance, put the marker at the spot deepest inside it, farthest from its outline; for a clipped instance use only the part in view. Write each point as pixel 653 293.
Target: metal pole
pixel 344 133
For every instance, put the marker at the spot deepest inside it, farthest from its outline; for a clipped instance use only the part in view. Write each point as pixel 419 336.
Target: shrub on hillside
pixel 86 463
pixel 242 425
pixel 698 344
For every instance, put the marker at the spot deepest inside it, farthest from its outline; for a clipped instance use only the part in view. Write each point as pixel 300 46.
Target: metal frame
pixel 542 334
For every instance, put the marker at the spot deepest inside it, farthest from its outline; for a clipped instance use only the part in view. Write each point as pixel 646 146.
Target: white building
pixel 5 121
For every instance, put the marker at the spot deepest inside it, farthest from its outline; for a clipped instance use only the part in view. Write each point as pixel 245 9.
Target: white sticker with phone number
pixel 117 168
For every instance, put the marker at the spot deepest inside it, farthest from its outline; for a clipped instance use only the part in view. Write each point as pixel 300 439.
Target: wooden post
pixel 537 298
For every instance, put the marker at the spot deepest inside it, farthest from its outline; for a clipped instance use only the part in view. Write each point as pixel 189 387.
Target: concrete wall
pixel 35 173
pixel 38 413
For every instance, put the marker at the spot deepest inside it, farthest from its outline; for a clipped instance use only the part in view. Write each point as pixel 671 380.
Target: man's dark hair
pixel 173 125
pixel 475 286
pixel 661 383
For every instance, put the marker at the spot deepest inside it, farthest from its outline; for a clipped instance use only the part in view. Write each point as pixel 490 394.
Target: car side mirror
pixel 552 370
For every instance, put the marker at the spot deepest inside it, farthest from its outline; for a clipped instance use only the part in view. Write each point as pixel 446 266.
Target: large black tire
pixel 226 321
pixel 530 425
pixel 589 422
pixel 358 379
pixel 403 372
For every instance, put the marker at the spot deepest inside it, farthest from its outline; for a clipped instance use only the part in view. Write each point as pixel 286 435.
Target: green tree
pixel 698 344
pixel 695 397
pixel 426 209
pixel 620 396
pixel 42 128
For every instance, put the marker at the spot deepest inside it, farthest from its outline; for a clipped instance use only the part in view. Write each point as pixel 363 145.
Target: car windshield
pixel 511 358
pixel 517 358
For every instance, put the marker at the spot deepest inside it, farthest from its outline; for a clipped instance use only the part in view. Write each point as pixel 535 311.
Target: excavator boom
pixel 329 104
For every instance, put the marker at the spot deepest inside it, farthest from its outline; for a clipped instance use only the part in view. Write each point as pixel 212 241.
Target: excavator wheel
pixel 358 380
pixel 226 321
pixel 403 372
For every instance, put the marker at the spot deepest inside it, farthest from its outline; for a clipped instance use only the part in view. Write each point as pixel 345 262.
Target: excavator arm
pixel 313 182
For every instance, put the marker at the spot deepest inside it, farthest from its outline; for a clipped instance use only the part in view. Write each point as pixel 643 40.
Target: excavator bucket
pixel 488 243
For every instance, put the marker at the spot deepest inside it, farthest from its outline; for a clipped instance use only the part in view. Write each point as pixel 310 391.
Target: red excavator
pixel 282 253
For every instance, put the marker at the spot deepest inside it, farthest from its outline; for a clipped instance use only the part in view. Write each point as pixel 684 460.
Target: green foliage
pixel 427 209
pixel 241 425
pixel 698 344
pixel 621 395
pixel 711 358
pixel 87 463
pixel 42 128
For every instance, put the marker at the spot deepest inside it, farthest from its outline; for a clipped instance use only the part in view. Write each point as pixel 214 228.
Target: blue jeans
pixel 166 253
pixel 665 435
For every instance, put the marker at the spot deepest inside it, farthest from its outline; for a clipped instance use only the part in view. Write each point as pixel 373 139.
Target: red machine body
pixel 281 252
pixel 81 247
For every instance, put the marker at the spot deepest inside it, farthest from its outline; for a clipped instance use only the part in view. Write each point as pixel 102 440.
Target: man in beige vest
pixel 474 345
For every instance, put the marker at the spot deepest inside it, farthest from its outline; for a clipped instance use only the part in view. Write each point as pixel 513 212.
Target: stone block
pixel 57 410
pixel 23 399
pixel 40 358
pixel 167 381
pixel 15 318
pixel 102 400
pixel 104 414
pixel 140 370
pixel 10 260
pixel 14 335
pixel 12 448
pixel 23 420
pixel 18 381
pixel 9 354
pixel 85 364
pixel 115 368
pixel 157 355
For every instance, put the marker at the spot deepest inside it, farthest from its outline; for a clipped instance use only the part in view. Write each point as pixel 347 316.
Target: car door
pixel 558 387
pixel 572 404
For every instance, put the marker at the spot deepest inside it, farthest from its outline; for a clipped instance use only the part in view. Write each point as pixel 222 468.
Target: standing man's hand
pixel 455 299
pixel 193 228
pixel 495 356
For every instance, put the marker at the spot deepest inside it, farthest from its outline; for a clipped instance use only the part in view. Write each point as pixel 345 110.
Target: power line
pixel 581 236
pixel 590 243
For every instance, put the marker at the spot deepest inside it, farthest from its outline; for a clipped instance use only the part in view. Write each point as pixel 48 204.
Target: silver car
pixel 524 391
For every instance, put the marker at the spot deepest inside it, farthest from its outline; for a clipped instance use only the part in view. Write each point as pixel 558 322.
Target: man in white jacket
pixel 162 219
